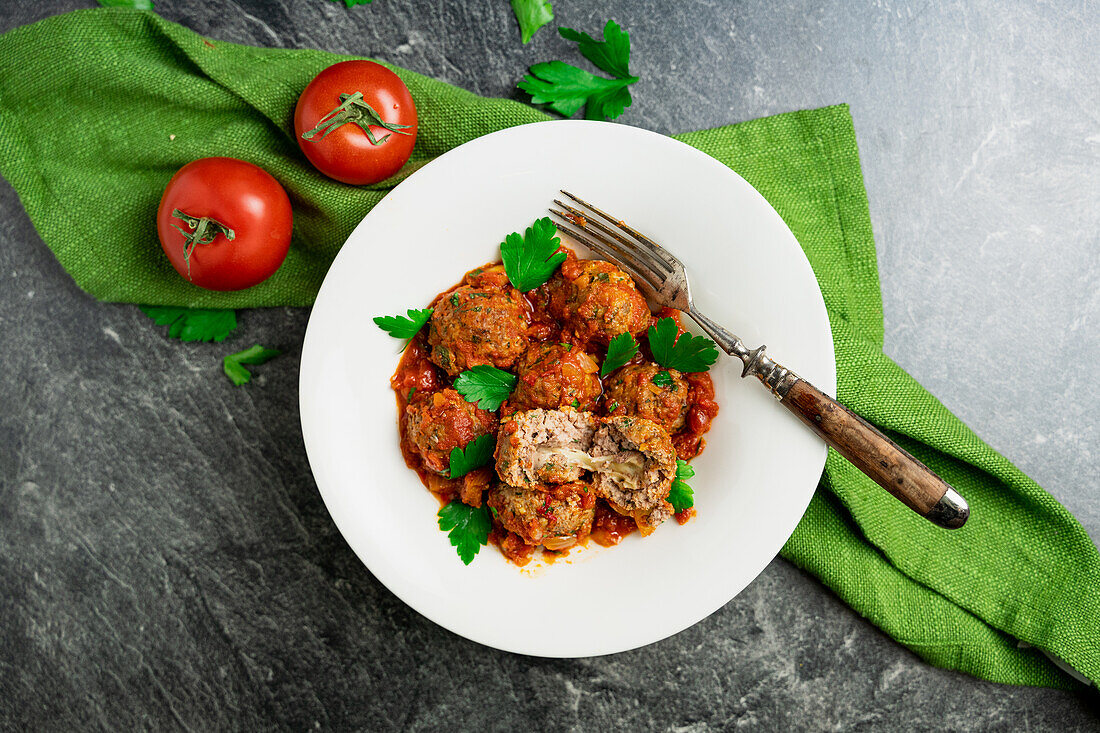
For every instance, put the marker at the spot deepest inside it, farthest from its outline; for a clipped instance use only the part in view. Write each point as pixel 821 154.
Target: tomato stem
pixel 204 230
pixel 355 110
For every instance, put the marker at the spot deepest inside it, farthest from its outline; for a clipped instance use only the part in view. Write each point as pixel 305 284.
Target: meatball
pixel 472 326
pixel 443 421
pixel 491 275
pixel 597 301
pixel 632 390
pixel 555 516
pixel 553 375
pixel 637 467
pixel 544 446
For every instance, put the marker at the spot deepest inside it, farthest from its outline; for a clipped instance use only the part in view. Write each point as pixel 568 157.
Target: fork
pixel 663 279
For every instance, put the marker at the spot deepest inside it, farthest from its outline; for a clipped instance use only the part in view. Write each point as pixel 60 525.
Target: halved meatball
pixel 444 421
pixel 637 466
pixel 555 515
pixel 472 326
pixel 544 446
pixel 552 375
pixel 597 300
pixel 632 390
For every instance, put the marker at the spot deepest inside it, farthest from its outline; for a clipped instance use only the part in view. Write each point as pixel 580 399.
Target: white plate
pixel 752 483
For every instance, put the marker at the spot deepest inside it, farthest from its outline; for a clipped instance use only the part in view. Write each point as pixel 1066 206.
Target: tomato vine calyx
pixel 203 231
pixel 355 110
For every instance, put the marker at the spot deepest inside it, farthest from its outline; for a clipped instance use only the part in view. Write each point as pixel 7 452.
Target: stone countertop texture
pixel 166 561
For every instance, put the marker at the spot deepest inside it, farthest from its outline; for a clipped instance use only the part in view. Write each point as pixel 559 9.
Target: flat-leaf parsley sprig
pixel 566 88
pixel 532 15
pixel 532 257
pixel 486 386
pixel 233 364
pixel 681 496
pixel 684 354
pixel 476 454
pixel 193 324
pixel 620 350
pixel 402 327
pixel 612 54
pixel 467 528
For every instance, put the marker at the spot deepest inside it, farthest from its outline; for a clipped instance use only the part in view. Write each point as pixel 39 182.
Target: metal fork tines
pixel 643 258
pixel 661 277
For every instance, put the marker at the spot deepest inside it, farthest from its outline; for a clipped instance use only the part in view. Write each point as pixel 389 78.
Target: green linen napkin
pixel 98 108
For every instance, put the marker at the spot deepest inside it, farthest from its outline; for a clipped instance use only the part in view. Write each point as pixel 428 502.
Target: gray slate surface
pixel 166 562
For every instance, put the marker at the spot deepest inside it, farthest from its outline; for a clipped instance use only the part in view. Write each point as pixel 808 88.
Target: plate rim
pixel 305 368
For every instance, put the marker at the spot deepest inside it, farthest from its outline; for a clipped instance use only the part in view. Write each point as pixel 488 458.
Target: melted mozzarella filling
pixel 626 467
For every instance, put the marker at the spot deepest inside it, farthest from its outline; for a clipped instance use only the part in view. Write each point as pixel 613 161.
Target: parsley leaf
pixel 685 354
pixel 476 454
pixel 135 4
pixel 233 364
pixel 193 324
pixel 620 350
pixel 607 105
pixel 681 496
pixel 485 385
pixel 662 379
pixel 468 528
pixel 611 54
pixel 532 15
pixel 567 88
pixel 530 259
pixel 401 327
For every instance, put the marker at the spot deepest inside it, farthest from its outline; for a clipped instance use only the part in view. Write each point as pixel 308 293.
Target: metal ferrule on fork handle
pixel 776 377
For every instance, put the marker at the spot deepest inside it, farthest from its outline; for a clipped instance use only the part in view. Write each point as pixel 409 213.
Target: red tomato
pixel 338 146
pixel 245 219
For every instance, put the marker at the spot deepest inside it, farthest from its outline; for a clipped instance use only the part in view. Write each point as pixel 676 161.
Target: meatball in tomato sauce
pixel 472 326
pixel 443 421
pixel 552 375
pixel 491 275
pixel 649 391
pixel 555 516
pixel 639 465
pixel 596 300
pixel 543 446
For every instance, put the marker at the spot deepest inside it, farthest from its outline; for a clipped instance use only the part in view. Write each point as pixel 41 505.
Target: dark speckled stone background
pixel 166 562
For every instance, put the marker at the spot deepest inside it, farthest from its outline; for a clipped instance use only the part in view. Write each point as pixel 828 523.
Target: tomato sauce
pixel 511 545
pixel 417 378
pixel 684 515
pixel 609 527
pixel 702 409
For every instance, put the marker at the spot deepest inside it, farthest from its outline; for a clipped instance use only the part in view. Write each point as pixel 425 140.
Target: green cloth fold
pixel 99 108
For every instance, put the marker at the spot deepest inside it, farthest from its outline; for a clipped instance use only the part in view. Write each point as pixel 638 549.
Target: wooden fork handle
pixel 893 468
